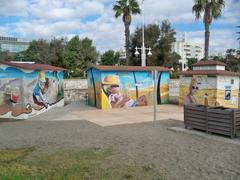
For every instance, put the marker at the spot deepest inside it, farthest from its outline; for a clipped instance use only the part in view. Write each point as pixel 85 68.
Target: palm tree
pixel 212 9
pixel 126 8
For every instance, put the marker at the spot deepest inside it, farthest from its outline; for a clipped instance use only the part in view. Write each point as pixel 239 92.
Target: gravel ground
pixel 181 156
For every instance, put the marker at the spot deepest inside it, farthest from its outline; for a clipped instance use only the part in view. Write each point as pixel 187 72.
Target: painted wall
pixel 228 89
pixel 209 91
pixel 125 89
pixel 94 87
pixel 25 93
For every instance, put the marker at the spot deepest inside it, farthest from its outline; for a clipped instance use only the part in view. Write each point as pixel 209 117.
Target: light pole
pixel 143 48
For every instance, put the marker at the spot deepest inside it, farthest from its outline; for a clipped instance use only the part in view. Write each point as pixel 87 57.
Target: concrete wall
pixel 76 89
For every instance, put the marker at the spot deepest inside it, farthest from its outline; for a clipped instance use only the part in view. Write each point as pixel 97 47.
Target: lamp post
pixel 143 48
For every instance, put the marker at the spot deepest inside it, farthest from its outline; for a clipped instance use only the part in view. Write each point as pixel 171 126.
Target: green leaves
pixel 110 58
pixel 211 9
pixel 190 62
pixel 126 8
pixel 78 54
pixel 160 40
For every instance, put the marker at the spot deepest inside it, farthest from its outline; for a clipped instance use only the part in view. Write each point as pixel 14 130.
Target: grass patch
pixel 86 164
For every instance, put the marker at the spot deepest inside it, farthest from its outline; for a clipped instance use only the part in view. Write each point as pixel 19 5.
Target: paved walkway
pixel 110 117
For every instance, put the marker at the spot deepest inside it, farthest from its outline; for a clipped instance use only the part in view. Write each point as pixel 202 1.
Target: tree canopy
pixel 78 54
pixel 211 10
pixel 74 55
pixel 110 57
pixel 160 39
pixel 190 62
pixel 126 8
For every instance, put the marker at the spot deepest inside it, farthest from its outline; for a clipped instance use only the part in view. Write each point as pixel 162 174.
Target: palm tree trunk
pixel 206 45
pixel 127 43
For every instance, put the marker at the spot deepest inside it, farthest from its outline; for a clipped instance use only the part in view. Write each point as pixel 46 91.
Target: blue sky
pixel 34 19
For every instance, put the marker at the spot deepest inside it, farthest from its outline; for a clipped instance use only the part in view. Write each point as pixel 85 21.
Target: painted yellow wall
pixel 209 91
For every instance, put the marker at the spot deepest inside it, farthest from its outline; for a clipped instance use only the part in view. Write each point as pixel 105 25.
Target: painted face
pixel 114 89
pixel 194 89
pixel 42 85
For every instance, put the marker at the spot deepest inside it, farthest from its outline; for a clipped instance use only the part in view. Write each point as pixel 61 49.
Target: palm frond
pixel 118 10
pixel 197 9
pixel 134 6
pixel 216 8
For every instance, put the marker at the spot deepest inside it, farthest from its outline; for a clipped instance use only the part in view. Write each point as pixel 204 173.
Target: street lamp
pixel 143 48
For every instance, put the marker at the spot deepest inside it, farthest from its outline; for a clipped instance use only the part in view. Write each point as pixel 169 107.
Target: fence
pixel 219 120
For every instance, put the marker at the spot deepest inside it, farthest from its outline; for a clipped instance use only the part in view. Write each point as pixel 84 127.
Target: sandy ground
pixel 181 156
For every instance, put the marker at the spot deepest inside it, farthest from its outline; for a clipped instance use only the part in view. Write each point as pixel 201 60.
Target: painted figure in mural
pixel 206 99
pixel 12 95
pixel 116 99
pixel 193 88
pixel 40 89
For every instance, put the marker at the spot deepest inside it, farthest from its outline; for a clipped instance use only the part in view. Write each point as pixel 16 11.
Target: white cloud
pixel 95 19
pixel 65 10
pixel 13 7
pixel 4 30
pixel 220 39
pixel 231 13
pixel 41 29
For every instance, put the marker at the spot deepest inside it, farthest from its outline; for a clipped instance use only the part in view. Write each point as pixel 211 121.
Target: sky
pixel 35 19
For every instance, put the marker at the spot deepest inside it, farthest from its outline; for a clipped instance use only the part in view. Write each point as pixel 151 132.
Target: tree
pixel 212 9
pixel 126 8
pixel 110 58
pixel 44 52
pixel 190 62
pixel 5 56
pixel 174 61
pixel 38 51
pixel 78 54
pixel 56 48
pixel 160 39
pixel 152 33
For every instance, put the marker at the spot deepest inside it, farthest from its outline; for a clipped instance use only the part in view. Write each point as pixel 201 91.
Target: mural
pixel 209 91
pixel 28 93
pixel 124 89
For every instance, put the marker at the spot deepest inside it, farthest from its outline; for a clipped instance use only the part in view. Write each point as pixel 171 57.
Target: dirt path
pixel 182 156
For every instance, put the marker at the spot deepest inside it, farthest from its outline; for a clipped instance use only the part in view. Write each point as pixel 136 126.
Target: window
pixel 232 81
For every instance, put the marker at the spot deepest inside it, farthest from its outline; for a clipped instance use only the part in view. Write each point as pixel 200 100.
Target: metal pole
pixel 155 97
pixel 143 52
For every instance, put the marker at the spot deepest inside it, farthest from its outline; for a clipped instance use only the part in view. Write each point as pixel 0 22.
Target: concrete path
pixel 110 117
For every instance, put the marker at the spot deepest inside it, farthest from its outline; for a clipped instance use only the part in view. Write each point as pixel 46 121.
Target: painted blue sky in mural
pixel 143 79
pixel 11 72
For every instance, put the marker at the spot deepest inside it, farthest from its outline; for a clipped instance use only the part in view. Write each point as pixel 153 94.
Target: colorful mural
pixel 25 93
pixel 124 89
pixel 209 90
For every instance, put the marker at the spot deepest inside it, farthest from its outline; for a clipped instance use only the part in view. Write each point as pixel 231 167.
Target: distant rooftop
pixel 209 72
pixel 209 63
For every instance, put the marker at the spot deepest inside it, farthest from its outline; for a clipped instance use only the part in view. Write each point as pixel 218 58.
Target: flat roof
pixel 209 63
pixel 209 72
pixel 129 68
pixel 32 66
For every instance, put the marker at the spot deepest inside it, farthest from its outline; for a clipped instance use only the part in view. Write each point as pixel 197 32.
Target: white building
pixel 187 49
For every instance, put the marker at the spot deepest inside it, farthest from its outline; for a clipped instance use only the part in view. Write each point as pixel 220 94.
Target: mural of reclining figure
pixel 40 89
pixel 110 86
pixel 193 88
